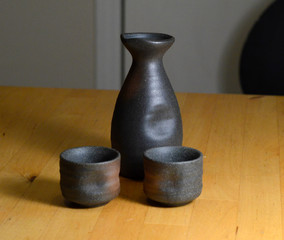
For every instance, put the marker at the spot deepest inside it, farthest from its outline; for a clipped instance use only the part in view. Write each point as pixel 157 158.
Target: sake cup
pixel 89 175
pixel 173 174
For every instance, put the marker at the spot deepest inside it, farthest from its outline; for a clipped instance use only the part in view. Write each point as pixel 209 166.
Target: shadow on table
pixel 48 123
pixel 41 190
pixel 132 190
pixel 44 190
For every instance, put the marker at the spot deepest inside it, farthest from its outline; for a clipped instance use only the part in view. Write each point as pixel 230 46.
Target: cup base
pixel 81 206
pixel 166 205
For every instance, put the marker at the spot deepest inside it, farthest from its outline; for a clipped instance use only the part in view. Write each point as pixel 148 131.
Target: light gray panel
pixel 47 43
pixel 108 46
pixel 209 38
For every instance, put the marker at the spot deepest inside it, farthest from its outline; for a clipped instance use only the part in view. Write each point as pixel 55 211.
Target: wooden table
pixel 241 136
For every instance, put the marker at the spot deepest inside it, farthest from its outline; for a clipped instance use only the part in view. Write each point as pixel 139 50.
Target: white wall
pixel 60 43
pixel 47 43
pixel 209 38
pixel 108 57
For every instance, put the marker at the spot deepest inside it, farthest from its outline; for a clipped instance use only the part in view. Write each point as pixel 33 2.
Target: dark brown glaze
pixel 173 174
pixel 146 113
pixel 90 175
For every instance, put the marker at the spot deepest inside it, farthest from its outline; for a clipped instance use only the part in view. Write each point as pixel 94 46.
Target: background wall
pixel 70 43
pixel 47 43
pixel 209 38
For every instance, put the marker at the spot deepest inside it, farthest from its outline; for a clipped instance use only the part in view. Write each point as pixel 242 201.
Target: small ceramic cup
pixel 89 175
pixel 173 174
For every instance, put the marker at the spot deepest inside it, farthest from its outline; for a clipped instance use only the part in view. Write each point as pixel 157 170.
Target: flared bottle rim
pixel 148 36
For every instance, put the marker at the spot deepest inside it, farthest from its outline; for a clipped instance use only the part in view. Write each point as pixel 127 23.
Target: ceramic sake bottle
pixel 146 113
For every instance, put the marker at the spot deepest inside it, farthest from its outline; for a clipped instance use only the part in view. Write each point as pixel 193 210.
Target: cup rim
pixel 148 151
pixel 117 158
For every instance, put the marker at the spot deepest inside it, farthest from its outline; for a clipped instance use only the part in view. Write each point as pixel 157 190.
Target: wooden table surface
pixel 241 137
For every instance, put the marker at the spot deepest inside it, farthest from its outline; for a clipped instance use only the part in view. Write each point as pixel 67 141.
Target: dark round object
pixel 89 175
pixel 173 175
pixel 262 59
pixel 146 113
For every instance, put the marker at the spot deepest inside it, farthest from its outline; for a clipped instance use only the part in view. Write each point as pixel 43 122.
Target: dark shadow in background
pixel 229 64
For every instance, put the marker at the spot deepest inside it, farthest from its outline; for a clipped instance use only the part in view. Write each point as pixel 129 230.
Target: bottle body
pixel 146 113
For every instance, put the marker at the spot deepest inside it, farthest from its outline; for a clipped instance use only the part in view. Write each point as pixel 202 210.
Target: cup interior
pixel 173 154
pixel 89 155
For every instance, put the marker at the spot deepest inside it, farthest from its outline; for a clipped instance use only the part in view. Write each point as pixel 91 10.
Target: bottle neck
pixel 148 66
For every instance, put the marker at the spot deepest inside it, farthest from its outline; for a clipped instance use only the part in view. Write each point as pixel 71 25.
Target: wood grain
pixel 241 137
pixel 224 149
pixel 260 200
pixel 280 112
pixel 214 219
